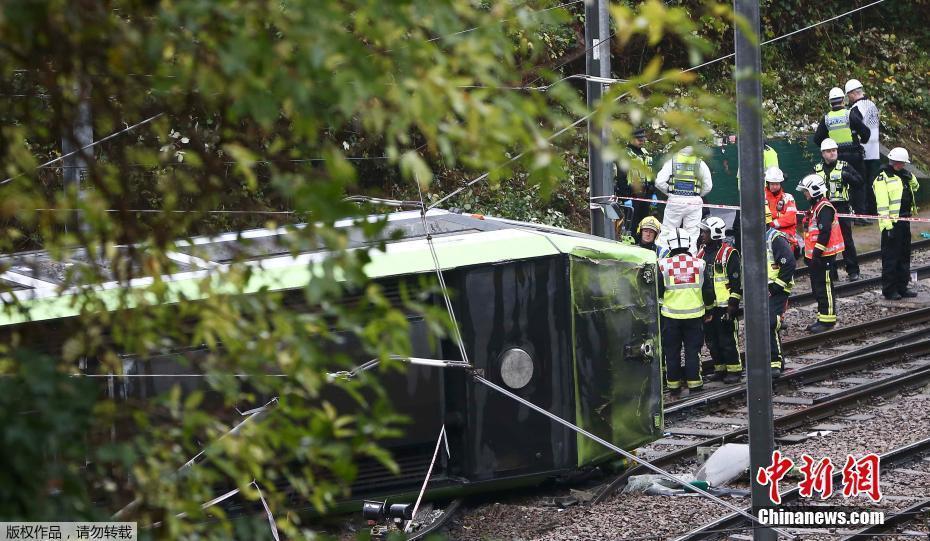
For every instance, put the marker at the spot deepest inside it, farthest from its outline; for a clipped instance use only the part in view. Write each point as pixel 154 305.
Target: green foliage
pixel 263 106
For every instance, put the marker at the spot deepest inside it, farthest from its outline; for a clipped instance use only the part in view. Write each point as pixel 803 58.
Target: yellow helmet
pixel 649 222
pixel 768 213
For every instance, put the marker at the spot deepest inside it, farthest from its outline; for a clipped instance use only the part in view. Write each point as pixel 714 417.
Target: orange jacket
pixel 784 213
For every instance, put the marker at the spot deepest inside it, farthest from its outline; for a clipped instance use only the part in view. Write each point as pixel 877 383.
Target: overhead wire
pixel 591 114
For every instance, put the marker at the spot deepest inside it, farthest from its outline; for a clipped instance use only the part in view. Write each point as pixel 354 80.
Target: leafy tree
pixel 260 107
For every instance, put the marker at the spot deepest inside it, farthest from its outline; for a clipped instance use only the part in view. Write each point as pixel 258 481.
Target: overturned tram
pixel 564 320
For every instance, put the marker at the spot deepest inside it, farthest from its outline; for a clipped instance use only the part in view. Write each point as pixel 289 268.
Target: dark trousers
pixel 720 336
pixel 675 334
pixel 872 168
pixel 777 305
pixel 823 274
pixel 896 258
pixel 857 194
pixel 850 259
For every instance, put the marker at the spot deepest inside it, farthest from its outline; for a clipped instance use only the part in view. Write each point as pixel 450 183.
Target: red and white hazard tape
pixel 613 198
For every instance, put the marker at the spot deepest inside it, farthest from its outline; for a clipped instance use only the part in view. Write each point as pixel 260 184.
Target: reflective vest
pixel 838 126
pixel 835 244
pixel 836 190
pixel 722 292
pixel 774 266
pixel 769 157
pixel 683 276
pixel 685 179
pixel 784 214
pixel 888 191
pixel 640 170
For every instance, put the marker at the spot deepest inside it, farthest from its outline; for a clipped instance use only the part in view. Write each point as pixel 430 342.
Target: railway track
pixel 896 457
pixel 866 257
pixel 847 289
pixel 902 349
pixel 862 333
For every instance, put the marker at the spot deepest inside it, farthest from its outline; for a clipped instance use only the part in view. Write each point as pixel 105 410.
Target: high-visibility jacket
pixel 722 292
pixel 837 191
pixel 774 268
pixel 769 157
pixel 784 214
pixel 838 126
pixel 835 244
pixel 640 173
pixel 683 278
pixel 888 190
pixel 685 178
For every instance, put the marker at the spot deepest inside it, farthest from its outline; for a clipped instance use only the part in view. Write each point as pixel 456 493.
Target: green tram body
pixel 565 320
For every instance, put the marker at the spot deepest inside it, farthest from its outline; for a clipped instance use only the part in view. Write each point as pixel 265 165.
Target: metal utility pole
pixel 74 168
pixel 597 63
pixel 755 274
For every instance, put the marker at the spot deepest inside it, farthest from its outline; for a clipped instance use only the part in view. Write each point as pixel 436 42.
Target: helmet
pixel 828 144
pixel 836 94
pixel 814 185
pixel 853 84
pixel 768 214
pixel 774 174
pixel 899 154
pixel 716 227
pixel 679 239
pixel 650 222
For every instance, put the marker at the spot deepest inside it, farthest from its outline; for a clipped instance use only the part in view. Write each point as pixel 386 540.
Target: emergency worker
pixel 895 195
pixel 636 177
pixel 849 132
pixel 822 242
pixel 781 265
pixel 686 179
pixel 684 293
pixel 648 231
pixel 722 264
pixel 840 179
pixel 769 160
pixel 864 108
pixel 782 206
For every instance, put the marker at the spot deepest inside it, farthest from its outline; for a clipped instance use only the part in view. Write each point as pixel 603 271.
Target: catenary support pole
pixel 81 134
pixel 597 63
pixel 755 275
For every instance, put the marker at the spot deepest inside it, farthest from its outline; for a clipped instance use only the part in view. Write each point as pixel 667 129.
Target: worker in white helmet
pixel 841 180
pixel 686 179
pixel 822 241
pixel 864 108
pixel 849 132
pixel 895 196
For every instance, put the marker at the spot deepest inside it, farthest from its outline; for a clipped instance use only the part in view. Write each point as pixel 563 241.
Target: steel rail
pixel 816 411
pixel 859 330
pixel 733 520
pixel 903 516
pixel 873 255
pixel 851 288
pixel 843 363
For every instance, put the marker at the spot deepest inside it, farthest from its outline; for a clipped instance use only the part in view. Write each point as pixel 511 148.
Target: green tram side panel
pixel 618 393
pixel 399 258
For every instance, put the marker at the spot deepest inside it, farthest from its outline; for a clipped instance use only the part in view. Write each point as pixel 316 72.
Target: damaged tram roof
pixel 36 284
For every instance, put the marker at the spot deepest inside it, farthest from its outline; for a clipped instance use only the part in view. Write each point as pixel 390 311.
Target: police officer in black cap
pixel 634 177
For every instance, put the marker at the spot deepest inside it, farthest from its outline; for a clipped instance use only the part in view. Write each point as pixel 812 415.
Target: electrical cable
pixel 588 116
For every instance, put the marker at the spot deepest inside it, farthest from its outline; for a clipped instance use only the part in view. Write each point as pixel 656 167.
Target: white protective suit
pixel 683 210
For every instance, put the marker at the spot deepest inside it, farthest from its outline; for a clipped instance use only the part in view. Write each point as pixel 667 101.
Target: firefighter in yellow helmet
pixel 647 233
